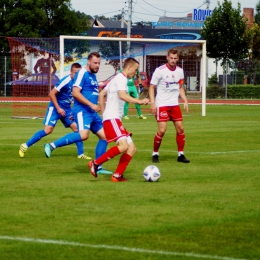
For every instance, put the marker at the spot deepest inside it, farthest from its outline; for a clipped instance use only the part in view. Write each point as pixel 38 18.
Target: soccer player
pixel 133 92
pixel 115 95
pixel 59 108
pixel 85 110
pixel 168 79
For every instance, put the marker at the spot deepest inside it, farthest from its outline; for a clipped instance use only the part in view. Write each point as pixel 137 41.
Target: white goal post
pixel 147 41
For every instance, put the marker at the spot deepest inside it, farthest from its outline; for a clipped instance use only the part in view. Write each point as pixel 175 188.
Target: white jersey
pixel 168 85
pixel 115 105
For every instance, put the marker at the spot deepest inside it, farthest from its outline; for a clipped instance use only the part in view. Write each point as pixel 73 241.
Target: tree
pixel 110 51
pixel 257 15
pixel 226 34
pixel 39 18
pixel 116 17
pixel 102 17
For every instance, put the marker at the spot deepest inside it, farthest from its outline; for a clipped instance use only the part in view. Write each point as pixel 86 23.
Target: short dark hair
pixel 75 65
pixel 130 61
pixel 172 51
pixel 92 54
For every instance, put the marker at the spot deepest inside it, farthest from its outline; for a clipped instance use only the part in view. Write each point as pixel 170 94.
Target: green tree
pixel 226 34
pixel 39 18
pixel 257 15
pixel 110 50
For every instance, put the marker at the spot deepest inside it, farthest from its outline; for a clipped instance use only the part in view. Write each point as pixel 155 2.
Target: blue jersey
pixel 64 97
pixel 88 84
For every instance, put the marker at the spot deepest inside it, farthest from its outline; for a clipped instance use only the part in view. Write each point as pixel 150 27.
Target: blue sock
pixel 36 137
pixel 67 139
pixel 100 148
pixel 80 147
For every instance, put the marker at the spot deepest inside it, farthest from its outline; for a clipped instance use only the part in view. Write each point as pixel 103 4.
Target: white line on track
pixel 122 248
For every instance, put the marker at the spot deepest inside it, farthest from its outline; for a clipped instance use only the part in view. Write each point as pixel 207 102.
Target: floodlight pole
pixel 120 43
pixel 129 23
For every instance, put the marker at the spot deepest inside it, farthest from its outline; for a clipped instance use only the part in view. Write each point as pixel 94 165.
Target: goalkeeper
pixel 133 92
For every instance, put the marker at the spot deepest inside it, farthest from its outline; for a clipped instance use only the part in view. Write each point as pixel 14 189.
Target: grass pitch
pixel 207 209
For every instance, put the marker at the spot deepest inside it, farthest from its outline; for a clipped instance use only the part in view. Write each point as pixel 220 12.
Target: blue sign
pixel 201 14
pixel 185 25
pixel 179 36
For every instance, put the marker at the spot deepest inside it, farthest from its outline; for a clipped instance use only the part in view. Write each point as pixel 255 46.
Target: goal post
pixel 39 63
pixel 147 50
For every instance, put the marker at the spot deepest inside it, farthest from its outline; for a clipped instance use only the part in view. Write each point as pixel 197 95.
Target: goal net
pixel 40 62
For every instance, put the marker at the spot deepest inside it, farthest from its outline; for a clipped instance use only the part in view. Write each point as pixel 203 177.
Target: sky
pixel 150 10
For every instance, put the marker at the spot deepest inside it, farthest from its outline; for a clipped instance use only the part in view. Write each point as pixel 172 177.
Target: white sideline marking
pixel 138 250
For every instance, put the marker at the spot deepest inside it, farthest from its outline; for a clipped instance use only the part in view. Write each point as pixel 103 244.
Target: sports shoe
pixel 155 158
pixel 183 159
pixel 83 156
pixel 118 178
pixel 142 117
pixel 23 149
pixel 126 117
pixel 93 168
pixel 103 171
pixel 48 149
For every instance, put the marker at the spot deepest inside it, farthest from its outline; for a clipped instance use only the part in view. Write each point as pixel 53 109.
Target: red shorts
pixel 169 113
pixel 114 130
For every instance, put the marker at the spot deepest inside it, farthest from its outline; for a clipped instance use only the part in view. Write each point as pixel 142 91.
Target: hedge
pixel 234 92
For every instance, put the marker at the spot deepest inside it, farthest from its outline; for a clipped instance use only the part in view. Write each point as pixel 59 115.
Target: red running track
pixel 191 101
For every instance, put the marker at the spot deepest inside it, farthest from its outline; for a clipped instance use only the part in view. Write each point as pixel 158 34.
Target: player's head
pixel 46 55
pixel 74 68
pixel 172 57
pixel 130 67
pixel 93 62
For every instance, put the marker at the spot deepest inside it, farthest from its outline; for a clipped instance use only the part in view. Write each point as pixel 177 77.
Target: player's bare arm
pixel 102 100
pixel 152 99
pixel 124 96
pixel 53 98
pixel 184 98
pixel 76 93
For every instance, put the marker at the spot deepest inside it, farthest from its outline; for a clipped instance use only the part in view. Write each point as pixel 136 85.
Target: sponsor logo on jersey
pixel 171 83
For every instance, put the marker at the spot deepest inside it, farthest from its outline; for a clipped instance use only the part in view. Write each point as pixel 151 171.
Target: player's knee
pixel 83 135
pixel 161 132
pixel 131 150
pixel 123 147
pixel 180 130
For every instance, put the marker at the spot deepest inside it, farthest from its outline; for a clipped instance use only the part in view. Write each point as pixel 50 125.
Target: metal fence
pixel 5 75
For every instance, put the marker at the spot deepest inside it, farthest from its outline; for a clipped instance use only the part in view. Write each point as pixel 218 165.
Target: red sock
pixel 180 140
pixel 109 154
pixel 123 163
pixel 157 142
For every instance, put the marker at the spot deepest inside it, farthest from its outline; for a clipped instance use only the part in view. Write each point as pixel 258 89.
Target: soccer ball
pixel 151 173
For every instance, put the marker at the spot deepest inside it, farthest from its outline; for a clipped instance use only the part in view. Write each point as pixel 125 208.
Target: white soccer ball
pixel 151 173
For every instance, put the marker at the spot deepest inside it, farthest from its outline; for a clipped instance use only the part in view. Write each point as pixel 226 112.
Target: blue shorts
pixel 88 121
pixel 52 117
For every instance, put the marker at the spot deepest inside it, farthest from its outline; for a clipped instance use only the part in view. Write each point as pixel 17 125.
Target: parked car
pixel 36 84
pixel 144 78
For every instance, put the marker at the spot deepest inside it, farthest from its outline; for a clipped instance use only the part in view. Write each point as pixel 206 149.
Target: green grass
pixel 208 209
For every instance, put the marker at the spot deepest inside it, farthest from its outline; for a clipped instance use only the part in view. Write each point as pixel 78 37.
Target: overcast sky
pixel 149 10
